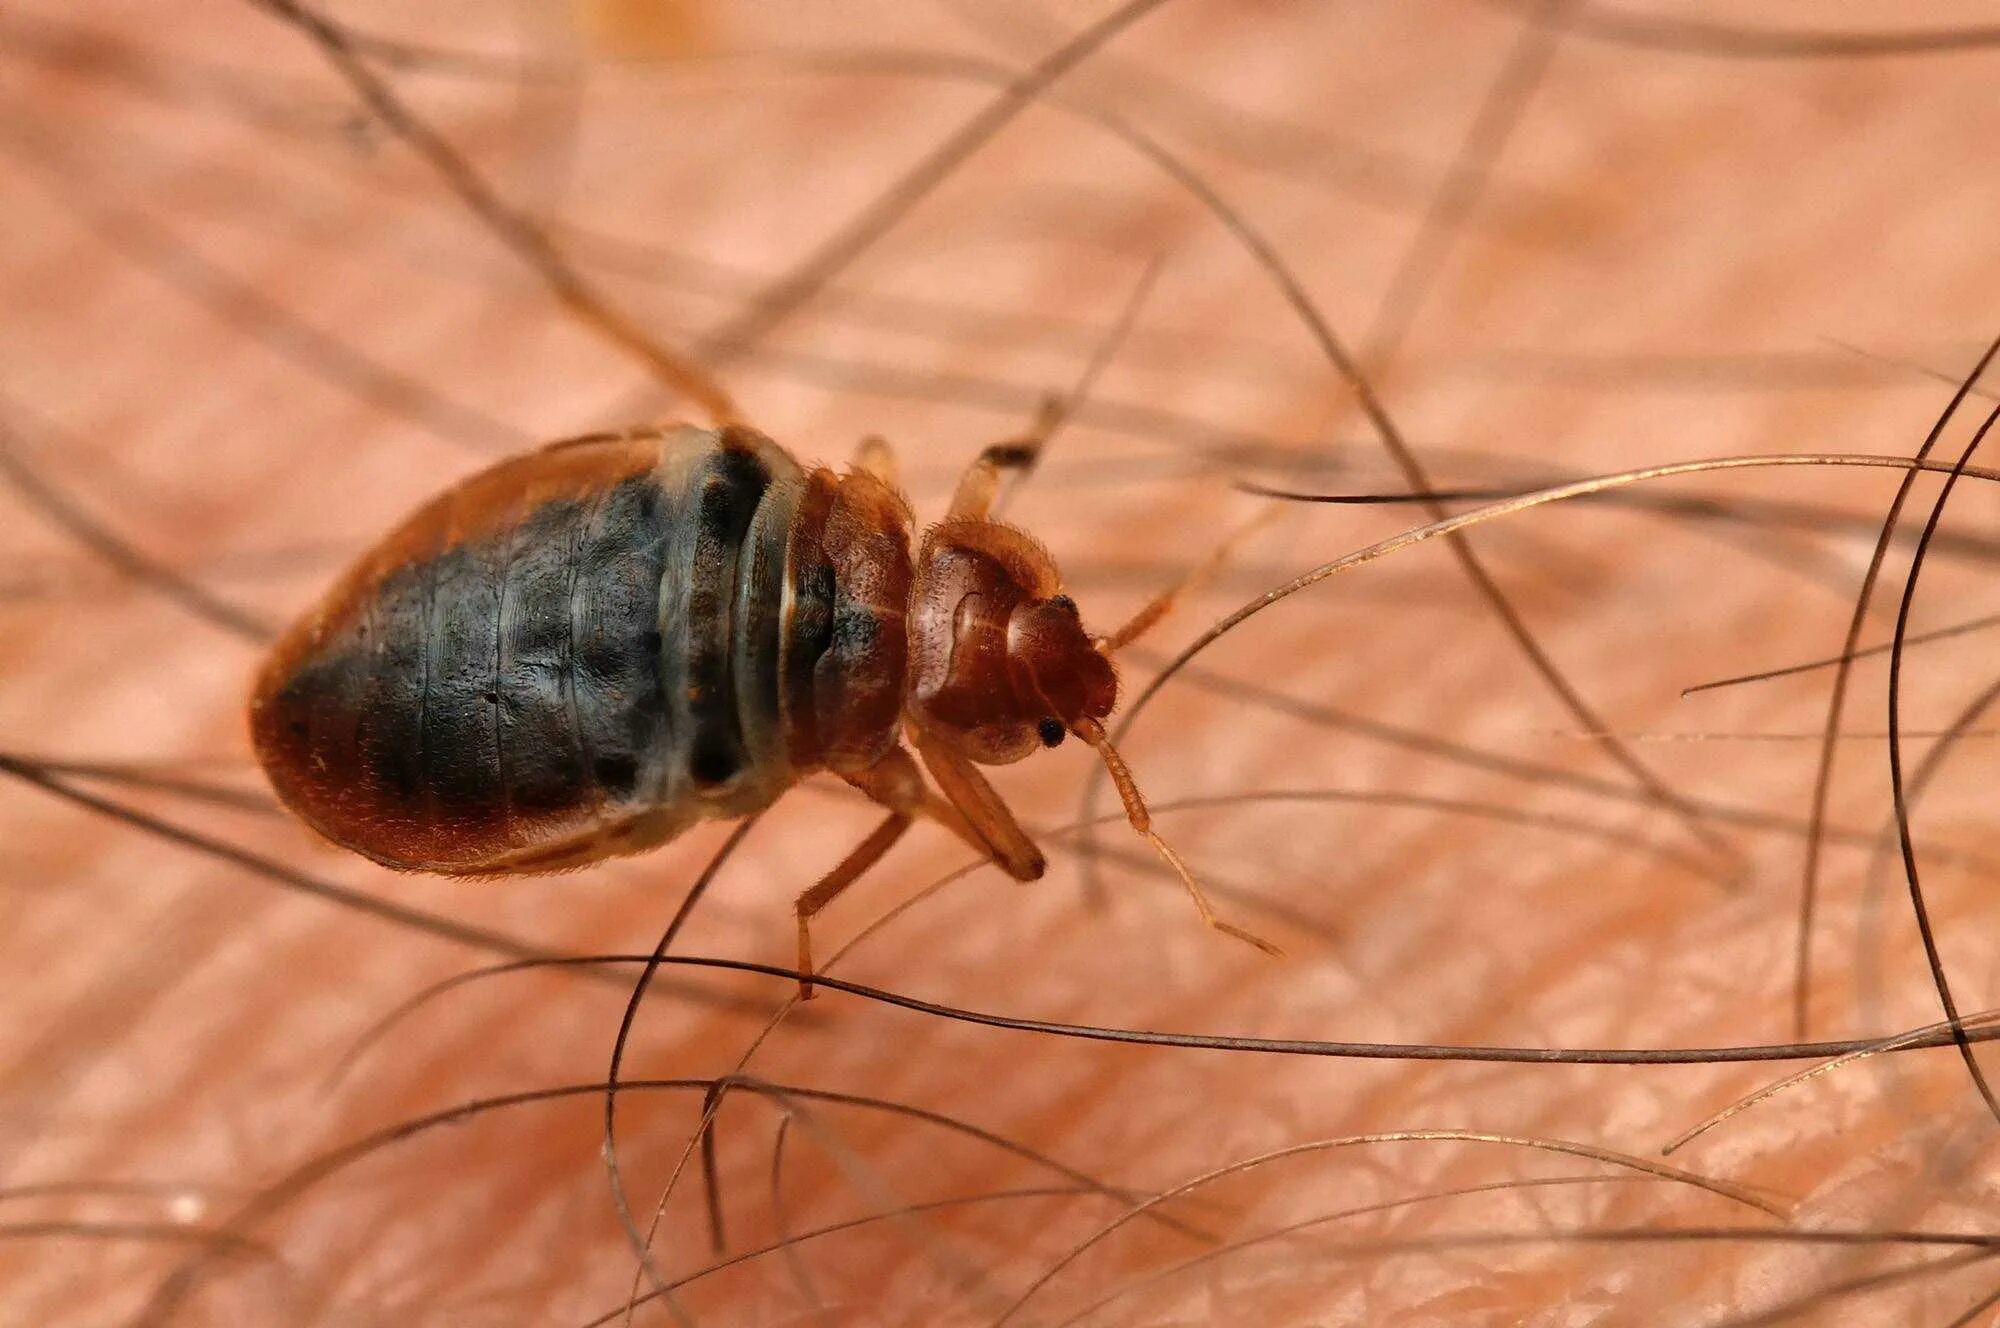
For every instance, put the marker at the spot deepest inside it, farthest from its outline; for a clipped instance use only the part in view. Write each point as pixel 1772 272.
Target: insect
pixel 583 650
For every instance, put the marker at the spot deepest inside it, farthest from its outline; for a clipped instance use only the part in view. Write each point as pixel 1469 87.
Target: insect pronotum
pixel 583 650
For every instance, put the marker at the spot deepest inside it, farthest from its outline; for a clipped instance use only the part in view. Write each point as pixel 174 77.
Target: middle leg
pixel 865 855
pixel 896 783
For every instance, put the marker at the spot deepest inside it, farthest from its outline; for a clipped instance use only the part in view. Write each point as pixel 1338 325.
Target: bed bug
pixel 585 649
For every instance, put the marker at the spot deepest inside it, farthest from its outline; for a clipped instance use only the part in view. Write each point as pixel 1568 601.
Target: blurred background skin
pixel 246 330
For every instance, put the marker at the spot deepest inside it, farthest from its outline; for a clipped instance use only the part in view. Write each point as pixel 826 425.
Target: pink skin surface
pixel 247 330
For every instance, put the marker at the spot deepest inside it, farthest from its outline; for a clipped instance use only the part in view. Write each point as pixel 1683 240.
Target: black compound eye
pixel 1051 732
pixel 1063 602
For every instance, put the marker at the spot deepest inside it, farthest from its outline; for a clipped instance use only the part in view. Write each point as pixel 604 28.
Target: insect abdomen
pixel 551 663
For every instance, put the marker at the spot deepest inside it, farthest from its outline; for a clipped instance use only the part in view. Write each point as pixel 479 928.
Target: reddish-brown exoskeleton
pixel 581 651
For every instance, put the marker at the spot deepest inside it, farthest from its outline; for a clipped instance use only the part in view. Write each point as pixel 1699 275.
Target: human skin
pixel 248 330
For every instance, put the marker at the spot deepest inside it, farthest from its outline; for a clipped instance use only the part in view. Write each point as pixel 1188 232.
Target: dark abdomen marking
pixel 572 655
pixel 486 685
pixel 726 492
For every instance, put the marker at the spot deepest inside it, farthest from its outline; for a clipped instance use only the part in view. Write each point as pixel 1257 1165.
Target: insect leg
pixel 865 855
pixel 876 457
pixel 978 494
pixel 979 488
pixel 979 802
pixel 897 784
pixel 1157 608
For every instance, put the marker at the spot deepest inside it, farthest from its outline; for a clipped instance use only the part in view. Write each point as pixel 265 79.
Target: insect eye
pixel 1051 732
pixel 1063 602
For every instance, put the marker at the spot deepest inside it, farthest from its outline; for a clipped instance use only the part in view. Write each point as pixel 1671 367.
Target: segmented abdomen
pixel 571 655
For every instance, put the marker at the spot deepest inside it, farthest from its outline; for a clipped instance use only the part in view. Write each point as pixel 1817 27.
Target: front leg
pixel 982 807
pixel 979 488
pixel 877 457
pixel 1155 610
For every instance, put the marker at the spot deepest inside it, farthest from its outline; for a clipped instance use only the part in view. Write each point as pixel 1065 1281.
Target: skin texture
pixel 248 331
